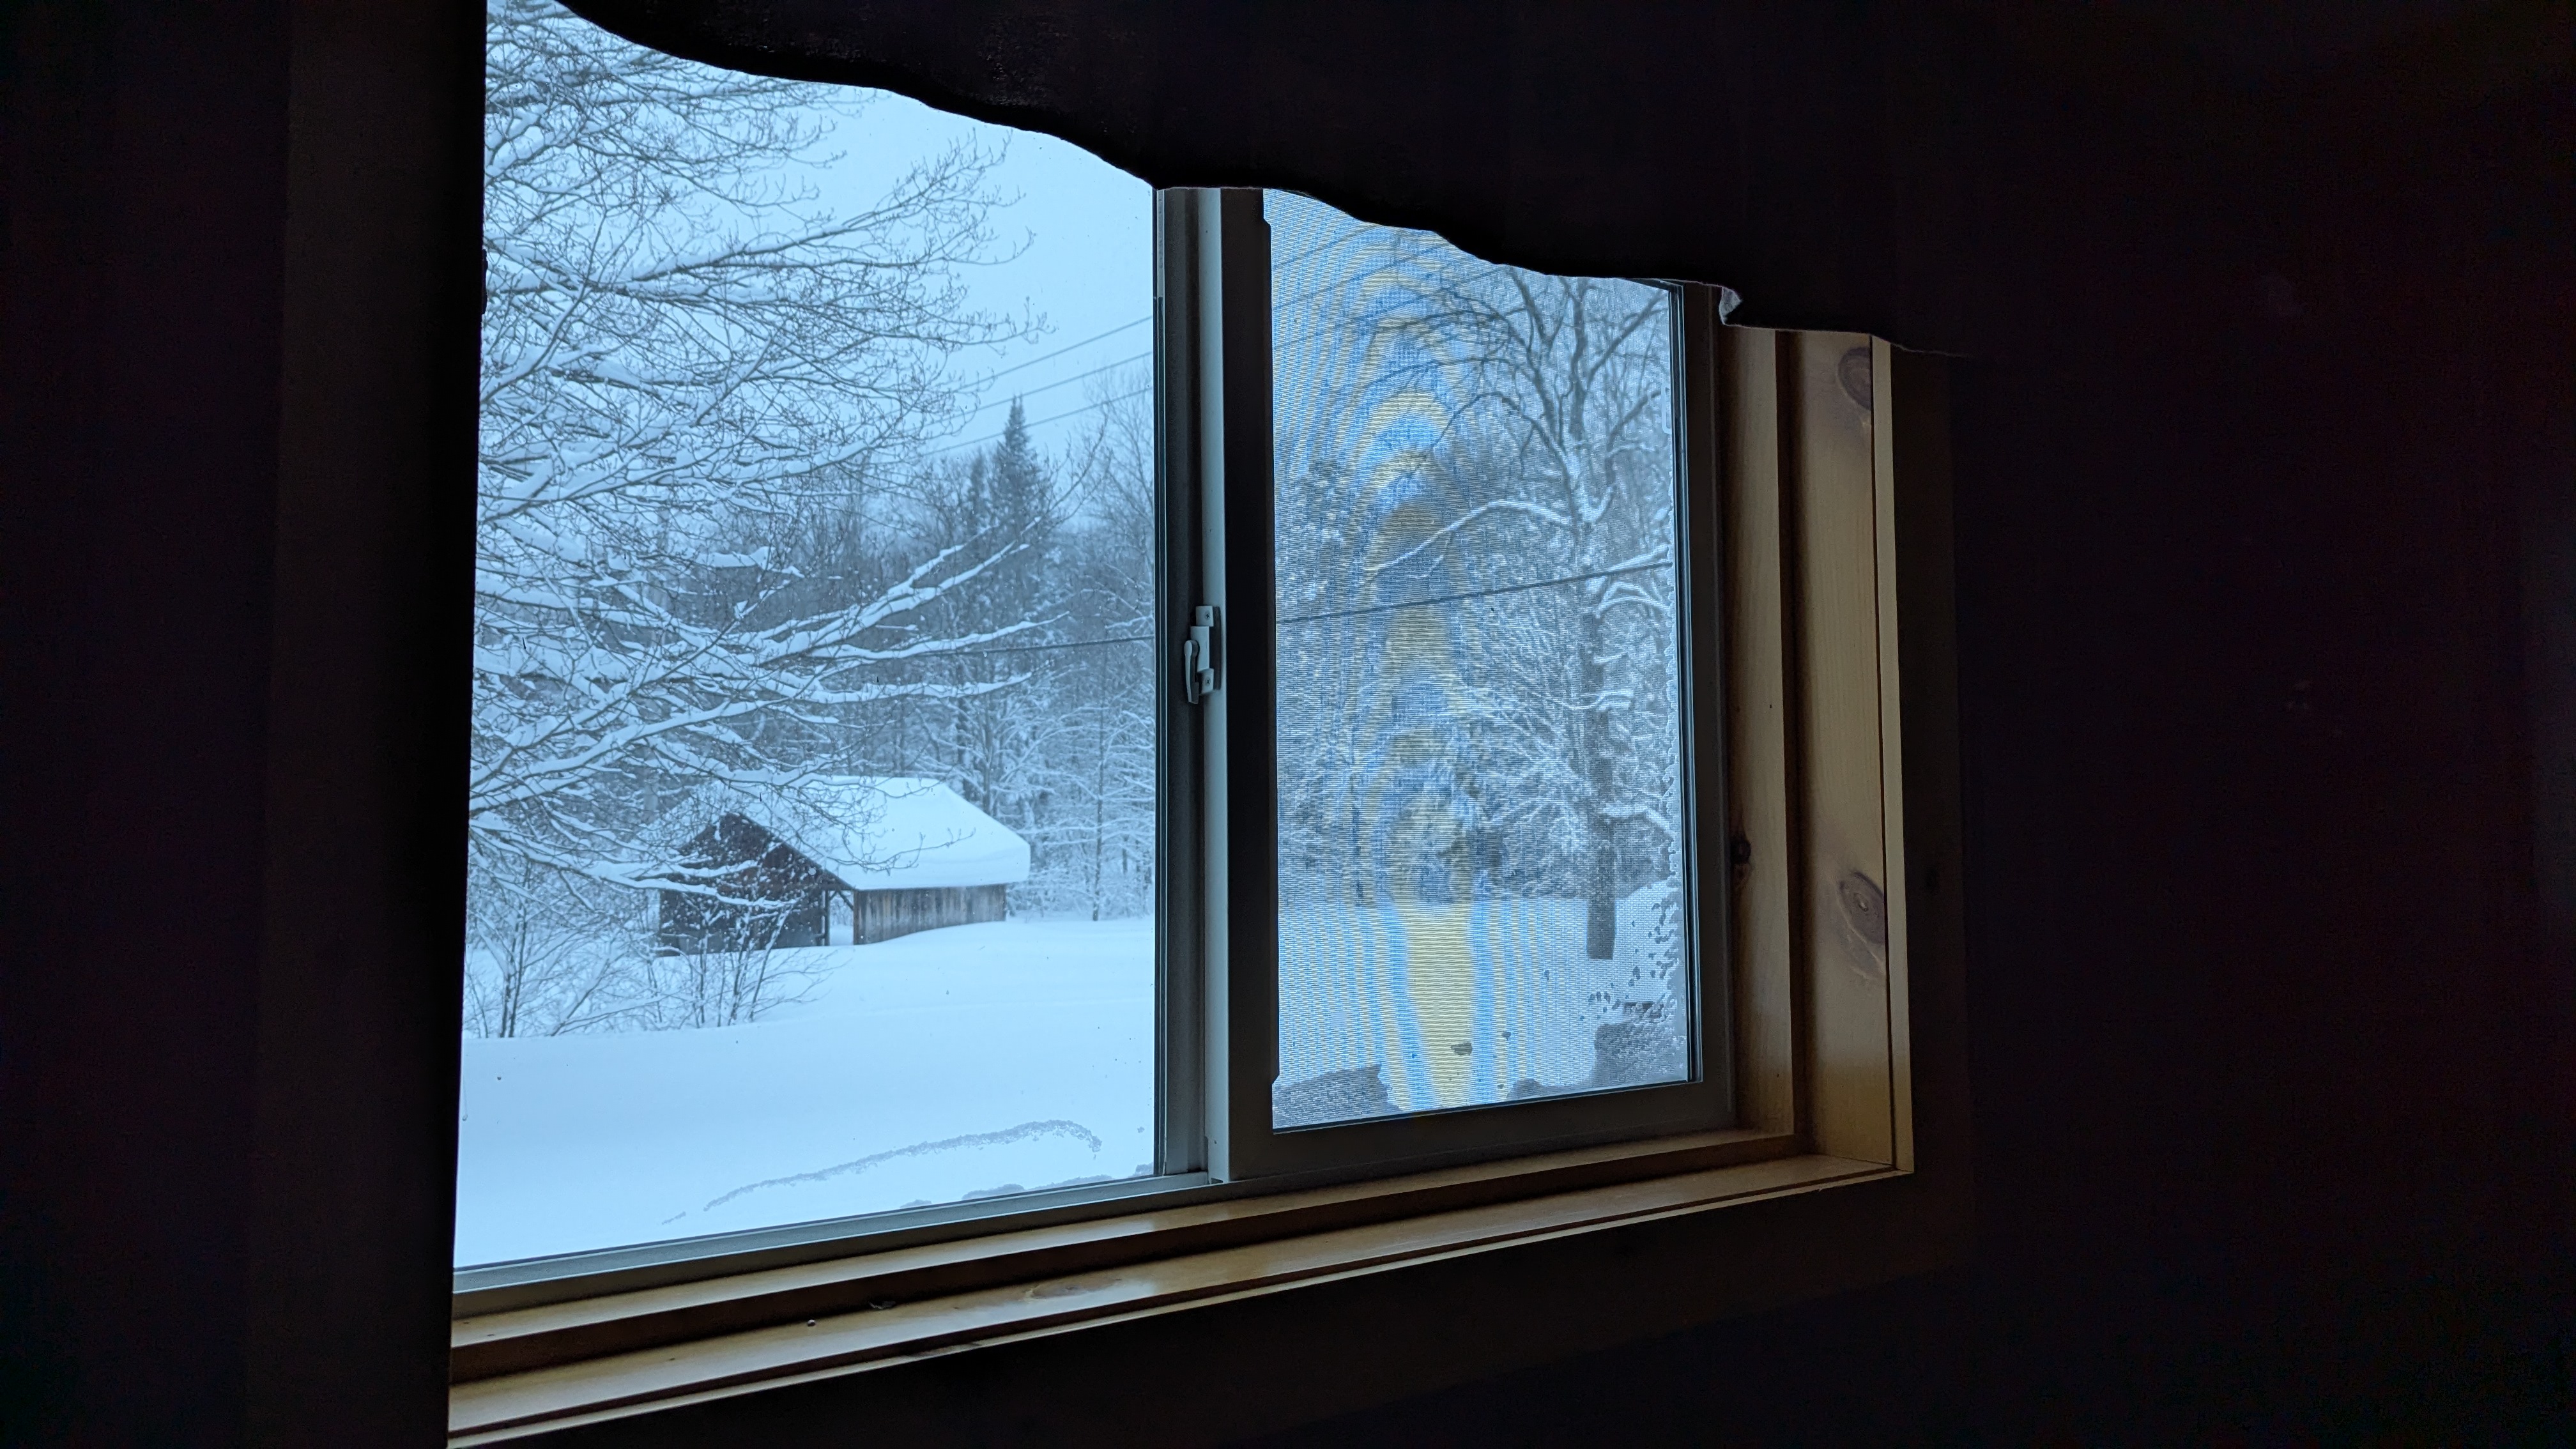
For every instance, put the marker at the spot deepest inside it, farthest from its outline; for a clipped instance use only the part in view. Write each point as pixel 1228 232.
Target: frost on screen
pixel 1479 737
pixel 812 813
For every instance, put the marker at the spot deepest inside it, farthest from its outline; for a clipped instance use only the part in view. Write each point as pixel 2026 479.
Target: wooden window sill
pixel 532 1370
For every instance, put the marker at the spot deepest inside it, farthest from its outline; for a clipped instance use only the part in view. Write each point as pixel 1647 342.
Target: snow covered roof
pixel 895 832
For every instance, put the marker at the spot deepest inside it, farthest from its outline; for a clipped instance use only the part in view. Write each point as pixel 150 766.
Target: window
pixel 1027 727
pixel 819 860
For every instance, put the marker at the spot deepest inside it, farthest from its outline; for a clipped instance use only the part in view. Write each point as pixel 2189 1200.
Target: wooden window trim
pixel 1849 1037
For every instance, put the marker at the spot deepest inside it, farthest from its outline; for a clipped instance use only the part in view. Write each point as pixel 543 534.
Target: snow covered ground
pixel 994 1058
pixel 1404 986
pixel 977 1059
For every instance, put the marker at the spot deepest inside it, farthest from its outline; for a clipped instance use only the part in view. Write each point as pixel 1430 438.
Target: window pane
pixel 813 819
pixel 1479 732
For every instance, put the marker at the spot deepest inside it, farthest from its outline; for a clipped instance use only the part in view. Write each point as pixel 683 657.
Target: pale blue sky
pixel 1085 235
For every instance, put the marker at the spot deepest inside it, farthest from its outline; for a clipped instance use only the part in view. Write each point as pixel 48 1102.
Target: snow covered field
pixel 976 1059
pixel 994 1058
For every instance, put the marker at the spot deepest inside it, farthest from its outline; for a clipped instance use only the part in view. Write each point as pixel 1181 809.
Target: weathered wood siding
pixel 884 915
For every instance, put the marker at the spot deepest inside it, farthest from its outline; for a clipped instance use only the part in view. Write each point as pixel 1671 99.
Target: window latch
pixel 1199 654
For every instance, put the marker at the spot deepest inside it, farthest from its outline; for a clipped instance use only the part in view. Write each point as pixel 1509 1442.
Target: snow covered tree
pixel 685 359
pixel 1094 765
pixel 548 952
pixel 727 981
pixel 1006 495
pixel 1501 440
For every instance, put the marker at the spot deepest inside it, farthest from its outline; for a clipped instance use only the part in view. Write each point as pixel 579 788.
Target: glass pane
pixel 813 815
pixel 1479 732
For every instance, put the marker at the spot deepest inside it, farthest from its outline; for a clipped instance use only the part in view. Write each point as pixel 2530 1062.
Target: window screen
pixel 1479 734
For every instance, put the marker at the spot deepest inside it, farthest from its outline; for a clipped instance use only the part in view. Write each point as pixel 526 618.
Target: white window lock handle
pixel 1199 654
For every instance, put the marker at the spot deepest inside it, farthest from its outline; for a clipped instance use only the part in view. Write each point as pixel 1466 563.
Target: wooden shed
pixel 847 861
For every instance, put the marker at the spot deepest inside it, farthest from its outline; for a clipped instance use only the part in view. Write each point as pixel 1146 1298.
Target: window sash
pixel 1214 264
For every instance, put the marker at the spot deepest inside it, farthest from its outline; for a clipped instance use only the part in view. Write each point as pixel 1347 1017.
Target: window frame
pixel 1838 1075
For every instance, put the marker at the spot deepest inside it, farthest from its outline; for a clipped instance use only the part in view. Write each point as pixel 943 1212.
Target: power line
pixel 1148 317
pixel 1063 382
pixel 1041 422
pixel 1140 357
pixel 1322 246
pixel 1314 618
pixel 1143 356
pixel 1040 648
pixel 1437 243
pixel 1475 594
pixel 1070 347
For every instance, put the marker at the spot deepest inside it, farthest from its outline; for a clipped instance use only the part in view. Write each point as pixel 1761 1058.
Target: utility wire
pixel 1142 356
pixel 1474 594
pixel 1315 618
pixel 1306 336
pixel 1039 648
pixel 1041 422
pixel 1148 317
pixel 1069 347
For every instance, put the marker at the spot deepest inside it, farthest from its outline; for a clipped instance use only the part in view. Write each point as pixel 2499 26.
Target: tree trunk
pixel 1600 873
pixel 1099 821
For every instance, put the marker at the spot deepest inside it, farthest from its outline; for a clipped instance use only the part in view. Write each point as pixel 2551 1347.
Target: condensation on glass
pixel 812 798
pixel 1479 732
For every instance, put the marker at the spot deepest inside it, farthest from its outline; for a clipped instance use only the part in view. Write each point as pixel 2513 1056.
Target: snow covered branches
pixel 1477 542
pixel 687 357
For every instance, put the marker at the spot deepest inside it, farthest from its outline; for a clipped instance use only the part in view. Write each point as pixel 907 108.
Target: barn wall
pixel 884 915
pixel 691 923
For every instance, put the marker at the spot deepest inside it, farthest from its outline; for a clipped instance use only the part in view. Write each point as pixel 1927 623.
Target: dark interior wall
pixel 2269 984
pixel 236 417
pixel 146 193
pixel 2266 509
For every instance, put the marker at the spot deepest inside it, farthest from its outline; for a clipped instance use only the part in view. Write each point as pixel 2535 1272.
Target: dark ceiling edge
pixel 1434 184
pixel 733 34
pixel 1946 72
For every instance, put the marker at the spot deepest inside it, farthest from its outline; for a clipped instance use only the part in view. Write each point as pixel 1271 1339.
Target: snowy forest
pixel 724 546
